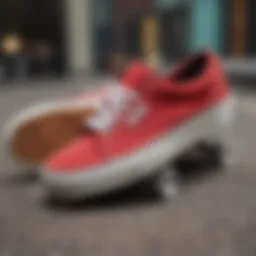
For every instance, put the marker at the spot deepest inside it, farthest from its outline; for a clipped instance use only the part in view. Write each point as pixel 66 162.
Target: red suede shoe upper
pixel 168 102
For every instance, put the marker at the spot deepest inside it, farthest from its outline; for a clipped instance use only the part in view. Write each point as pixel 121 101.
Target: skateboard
pixel 200 158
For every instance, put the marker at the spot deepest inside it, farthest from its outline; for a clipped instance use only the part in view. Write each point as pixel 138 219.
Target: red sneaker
pixel 141 128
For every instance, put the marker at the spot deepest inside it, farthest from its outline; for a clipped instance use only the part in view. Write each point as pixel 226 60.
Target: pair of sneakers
pixel 124 133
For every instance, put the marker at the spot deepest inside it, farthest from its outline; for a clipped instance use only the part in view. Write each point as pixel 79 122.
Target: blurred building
pixel 225 26
pixel 84 34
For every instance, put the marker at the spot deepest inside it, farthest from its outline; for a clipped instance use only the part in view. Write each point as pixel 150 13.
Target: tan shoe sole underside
pixel 34 141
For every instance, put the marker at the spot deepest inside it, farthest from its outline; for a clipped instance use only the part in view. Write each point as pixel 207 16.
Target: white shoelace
pixel 113 105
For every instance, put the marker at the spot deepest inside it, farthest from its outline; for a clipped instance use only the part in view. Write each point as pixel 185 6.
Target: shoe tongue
pixel 135 74
pixel 120 98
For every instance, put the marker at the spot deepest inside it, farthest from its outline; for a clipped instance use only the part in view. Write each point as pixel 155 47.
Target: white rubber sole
pixel 145 162
pixel 33 112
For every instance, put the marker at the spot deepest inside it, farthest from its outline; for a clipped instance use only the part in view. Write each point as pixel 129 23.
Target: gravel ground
pixel 214 215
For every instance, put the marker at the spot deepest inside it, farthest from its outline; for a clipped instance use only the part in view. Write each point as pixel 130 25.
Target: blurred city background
pixel 62 37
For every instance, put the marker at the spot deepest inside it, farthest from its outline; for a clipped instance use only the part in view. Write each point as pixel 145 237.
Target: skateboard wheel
pixel 165 185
